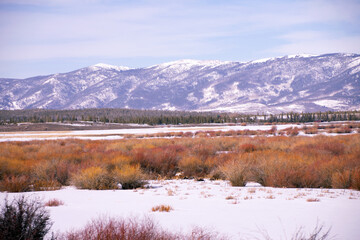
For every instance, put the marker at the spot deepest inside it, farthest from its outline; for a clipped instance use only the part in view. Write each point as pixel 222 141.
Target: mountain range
pixel 299 83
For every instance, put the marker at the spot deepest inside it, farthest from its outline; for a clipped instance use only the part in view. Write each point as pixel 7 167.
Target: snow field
pixel 115 134
pixel 238 212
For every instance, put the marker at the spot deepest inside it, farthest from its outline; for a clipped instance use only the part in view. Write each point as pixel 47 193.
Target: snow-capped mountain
pixel 291 83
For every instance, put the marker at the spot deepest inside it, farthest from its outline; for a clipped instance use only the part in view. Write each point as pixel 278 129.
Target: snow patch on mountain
pixel 108 67
pixel 209 94
pixel 335 104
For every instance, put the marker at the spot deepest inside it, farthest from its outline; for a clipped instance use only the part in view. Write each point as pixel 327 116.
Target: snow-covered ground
pixel 239 212
pixel 119 133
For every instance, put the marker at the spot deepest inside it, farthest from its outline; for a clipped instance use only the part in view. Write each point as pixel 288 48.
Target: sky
pixel 39 37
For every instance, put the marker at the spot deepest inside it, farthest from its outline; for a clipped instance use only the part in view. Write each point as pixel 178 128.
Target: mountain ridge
pixel 289 83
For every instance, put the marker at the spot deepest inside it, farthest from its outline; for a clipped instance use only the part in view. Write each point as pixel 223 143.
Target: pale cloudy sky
pixel 39 37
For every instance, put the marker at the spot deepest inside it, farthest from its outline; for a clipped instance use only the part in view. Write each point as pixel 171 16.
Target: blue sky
pixel 39 37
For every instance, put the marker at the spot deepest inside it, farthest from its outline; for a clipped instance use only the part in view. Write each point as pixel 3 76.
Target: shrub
pixel 94 178
pixel 111 228
pixel 248 147
pixel 135 229
pixel 45 185
pixel 24 219
pixel 53 171
pixel 293 131
pixel 355 179
pixel 129 176
pixel 235 172
pixel 319 233
pixel 15 184
pixel 193 166
pixel 313 130
pixel 341 179
pixel 217 174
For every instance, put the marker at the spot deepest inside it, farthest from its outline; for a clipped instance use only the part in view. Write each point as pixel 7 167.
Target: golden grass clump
pixel 94 178
pixel 129 176
pixel 162 208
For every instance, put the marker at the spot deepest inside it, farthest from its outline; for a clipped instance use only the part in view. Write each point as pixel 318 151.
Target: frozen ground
pixel 239 212
pixel 119 133
pixel 113 134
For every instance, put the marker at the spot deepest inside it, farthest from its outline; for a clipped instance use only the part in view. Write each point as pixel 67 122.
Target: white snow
pixel 188 63
pixel 108 66
pixel 336 104
pixel 302 55
pixel 119 133
pixel 191 97
pixel 262 60
pixel 167 106
pixel 209 94
pixel 278 211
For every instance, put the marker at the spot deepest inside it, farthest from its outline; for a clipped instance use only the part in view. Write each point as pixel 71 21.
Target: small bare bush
pixel 319 233
pixel 24 219
pixel 54 203
pixel 135 229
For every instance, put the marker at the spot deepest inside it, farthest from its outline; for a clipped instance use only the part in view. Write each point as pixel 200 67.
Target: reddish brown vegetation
pixel 278 161
pixel 134 229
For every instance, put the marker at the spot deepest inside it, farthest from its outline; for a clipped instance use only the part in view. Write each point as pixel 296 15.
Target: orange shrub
pixel 341 179
pixel 129 176
pixel 15 184
pixel 318 161
pixel 355 180
pixel 248 147
pixel 236 172
pixel 94 178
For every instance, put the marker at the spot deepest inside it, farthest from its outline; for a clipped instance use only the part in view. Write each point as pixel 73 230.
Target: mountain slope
pixel 290 83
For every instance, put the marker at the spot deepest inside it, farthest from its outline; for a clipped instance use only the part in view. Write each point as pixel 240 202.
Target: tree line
pixel 158 117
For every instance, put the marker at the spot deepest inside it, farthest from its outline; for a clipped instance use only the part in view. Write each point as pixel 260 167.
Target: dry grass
pixel 230 197
pixel 162 208
pixel 54 203
pixel 313 200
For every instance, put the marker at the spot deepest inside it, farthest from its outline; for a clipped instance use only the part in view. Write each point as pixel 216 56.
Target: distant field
pixel 143 131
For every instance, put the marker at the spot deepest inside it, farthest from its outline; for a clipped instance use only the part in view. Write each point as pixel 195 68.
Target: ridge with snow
pixel 300 83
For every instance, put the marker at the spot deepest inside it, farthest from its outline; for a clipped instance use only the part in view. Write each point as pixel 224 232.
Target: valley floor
pixel 141 131
pixel 238 212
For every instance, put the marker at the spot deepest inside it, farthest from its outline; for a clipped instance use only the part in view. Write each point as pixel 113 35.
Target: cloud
pixel 90 28
pixel 318 43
